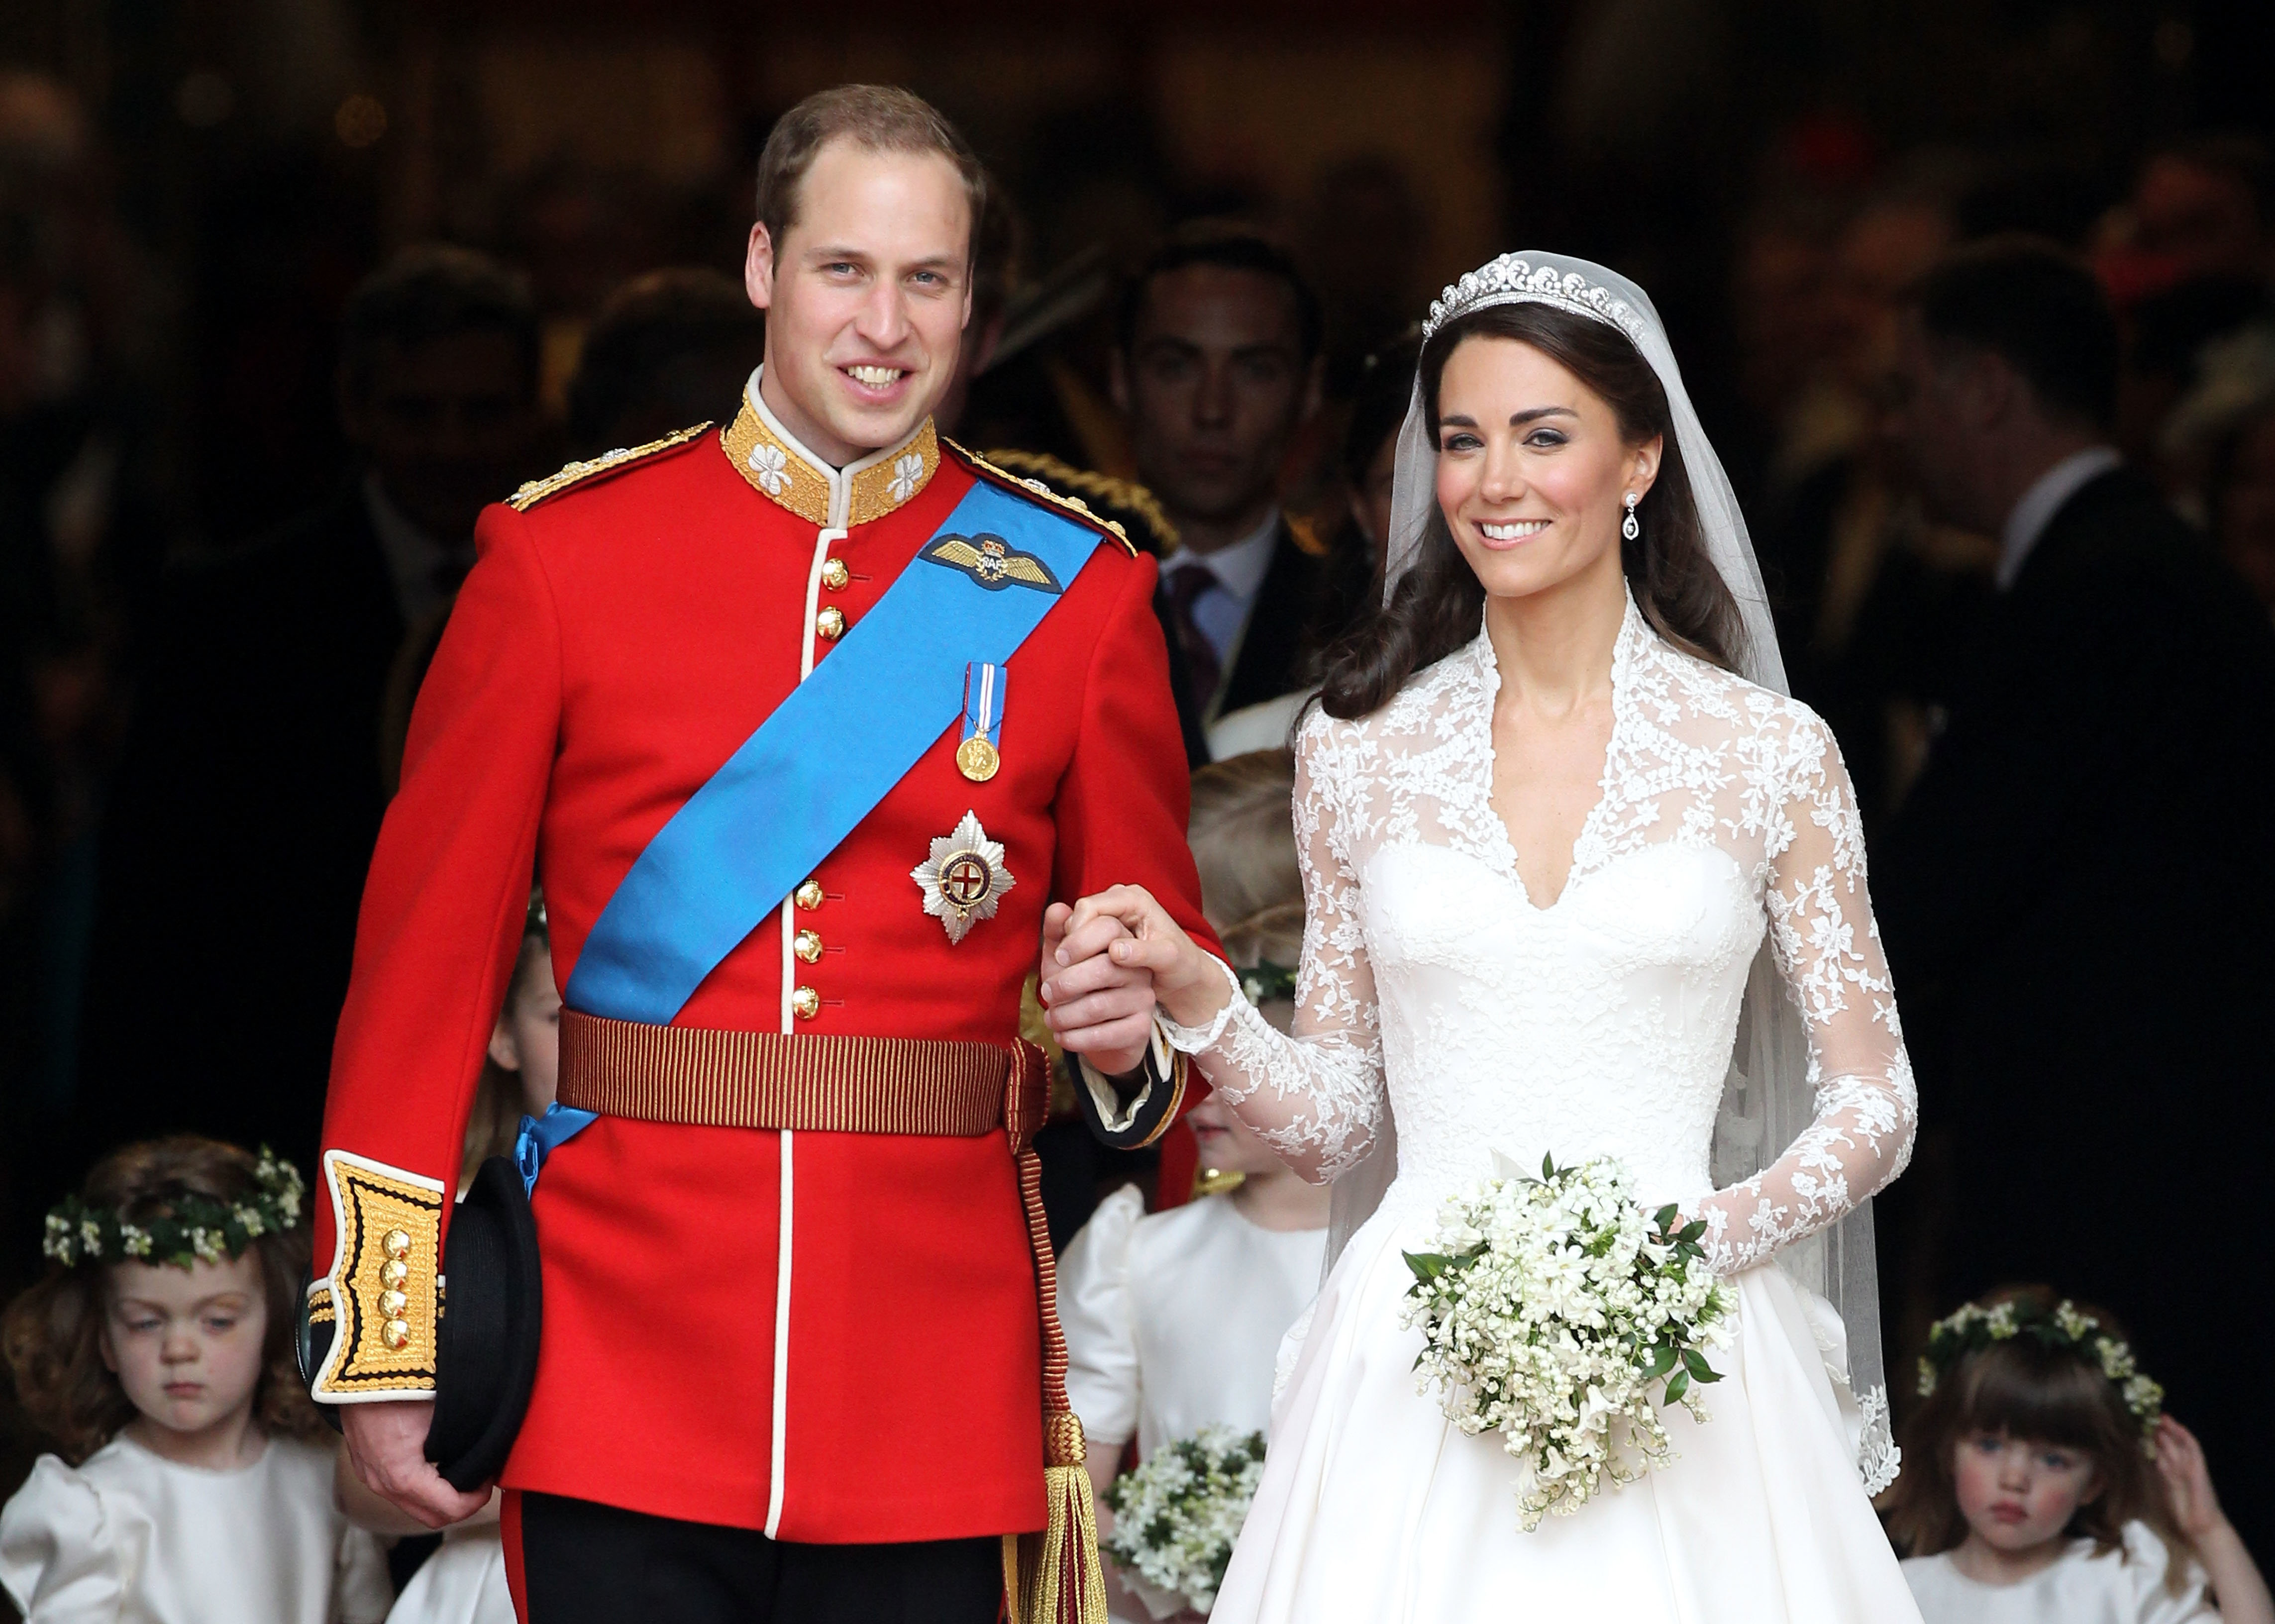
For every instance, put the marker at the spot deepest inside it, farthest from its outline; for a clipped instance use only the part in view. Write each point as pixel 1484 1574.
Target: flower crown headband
pixel 193 1228
pixel 2064 1326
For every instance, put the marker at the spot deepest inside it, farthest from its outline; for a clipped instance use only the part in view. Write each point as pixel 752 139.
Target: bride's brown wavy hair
pixel 1439 602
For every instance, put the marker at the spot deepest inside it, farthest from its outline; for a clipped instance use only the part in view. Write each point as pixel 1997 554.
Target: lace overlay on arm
pixel 1314 1094
pixel 1799 802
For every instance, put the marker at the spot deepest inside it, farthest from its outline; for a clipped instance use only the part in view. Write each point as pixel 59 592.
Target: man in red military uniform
pixel 787 1370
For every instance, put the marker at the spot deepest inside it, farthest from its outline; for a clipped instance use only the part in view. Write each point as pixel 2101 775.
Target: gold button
pixel 806 1002
pixel 830 623
pixel 808 895
pixel 835 574
pixel 392 1304
pixel 397 1243
pixel 808 946
pixel 393 1272
pixel 396 1333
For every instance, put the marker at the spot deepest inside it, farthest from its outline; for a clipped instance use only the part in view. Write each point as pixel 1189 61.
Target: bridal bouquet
pixel 1553 1309
pixel 1177 1513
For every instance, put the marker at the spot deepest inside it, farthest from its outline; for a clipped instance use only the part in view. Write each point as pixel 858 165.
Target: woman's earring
pixel 1629 526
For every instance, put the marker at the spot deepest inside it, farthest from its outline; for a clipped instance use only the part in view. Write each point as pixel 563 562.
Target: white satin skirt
pixel 1374 1507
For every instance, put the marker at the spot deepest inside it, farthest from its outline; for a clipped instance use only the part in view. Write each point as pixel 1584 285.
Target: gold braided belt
pixel 807 1082
pixel 816 1082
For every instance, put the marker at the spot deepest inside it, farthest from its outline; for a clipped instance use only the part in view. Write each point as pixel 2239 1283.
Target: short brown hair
pixel 52 1333
pixel 878 117
pixel 2031 1390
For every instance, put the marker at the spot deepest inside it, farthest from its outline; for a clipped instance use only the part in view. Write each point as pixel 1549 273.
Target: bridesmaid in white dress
pixel 1546 827
pixel 1174 1322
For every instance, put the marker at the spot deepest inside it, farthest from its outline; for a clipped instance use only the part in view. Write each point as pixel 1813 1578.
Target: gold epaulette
pixel 1157 532
pixel 1075 505
pixel 608 462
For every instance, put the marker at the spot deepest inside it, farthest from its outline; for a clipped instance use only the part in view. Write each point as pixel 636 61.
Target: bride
pixel 1581 880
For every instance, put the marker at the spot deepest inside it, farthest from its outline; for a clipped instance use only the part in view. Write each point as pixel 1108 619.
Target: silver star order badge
pixel 963 877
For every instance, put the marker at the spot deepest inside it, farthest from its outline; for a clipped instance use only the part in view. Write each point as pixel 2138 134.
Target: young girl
pixel 195 1481
pixel 1173 1322
pixel 2043 1484
pixel 464 1582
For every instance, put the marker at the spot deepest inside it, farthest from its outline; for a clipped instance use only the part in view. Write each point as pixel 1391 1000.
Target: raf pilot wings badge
pixel 992 561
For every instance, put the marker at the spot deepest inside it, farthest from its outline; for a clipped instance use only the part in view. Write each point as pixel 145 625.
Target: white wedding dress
pixel 1600 1024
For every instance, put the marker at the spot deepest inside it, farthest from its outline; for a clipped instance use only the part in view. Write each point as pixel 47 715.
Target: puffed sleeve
pixel 362 1593
pixel 2147 1562
pixel 1101 1333
pixel 61 1559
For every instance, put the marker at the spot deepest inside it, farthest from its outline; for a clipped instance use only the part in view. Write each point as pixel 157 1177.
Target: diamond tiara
pixel 1513 279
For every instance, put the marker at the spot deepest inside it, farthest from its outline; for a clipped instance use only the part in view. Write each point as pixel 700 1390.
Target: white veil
pixel 1767 1100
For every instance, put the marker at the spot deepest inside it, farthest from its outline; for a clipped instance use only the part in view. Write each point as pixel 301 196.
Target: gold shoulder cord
pixel 537 490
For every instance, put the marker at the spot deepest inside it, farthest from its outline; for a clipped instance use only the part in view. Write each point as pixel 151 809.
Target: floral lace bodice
pixel 1604 1022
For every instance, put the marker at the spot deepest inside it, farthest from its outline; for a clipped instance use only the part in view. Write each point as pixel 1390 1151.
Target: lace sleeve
pixel 1315 1094
pixel 1828 952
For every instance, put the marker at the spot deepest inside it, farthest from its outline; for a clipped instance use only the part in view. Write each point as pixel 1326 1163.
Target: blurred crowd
pixel 213 623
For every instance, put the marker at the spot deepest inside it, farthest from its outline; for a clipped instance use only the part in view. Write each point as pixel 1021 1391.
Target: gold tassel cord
pixel 1052 1577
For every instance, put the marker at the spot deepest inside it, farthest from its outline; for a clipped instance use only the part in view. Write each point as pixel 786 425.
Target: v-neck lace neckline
pixel 1501 846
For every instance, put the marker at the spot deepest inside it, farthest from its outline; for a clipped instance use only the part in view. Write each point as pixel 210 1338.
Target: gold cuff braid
pixel 385 1284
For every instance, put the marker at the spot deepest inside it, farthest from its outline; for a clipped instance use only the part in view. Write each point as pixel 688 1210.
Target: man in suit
pixel 252 786
pixel 2075 895
pixel 1218 365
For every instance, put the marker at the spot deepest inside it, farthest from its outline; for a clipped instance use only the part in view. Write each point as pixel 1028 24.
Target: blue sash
pixel 828 754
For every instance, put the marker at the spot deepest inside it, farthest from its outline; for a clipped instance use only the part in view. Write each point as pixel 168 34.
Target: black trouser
pixel 583 1561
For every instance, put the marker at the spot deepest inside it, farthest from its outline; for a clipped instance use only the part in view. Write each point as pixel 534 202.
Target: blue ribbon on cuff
pixel 541 1136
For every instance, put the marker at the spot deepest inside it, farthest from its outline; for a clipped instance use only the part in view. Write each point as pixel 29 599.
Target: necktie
pixel 1203 669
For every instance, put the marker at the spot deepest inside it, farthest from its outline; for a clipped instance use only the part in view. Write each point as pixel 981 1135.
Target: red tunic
pixel 831 1337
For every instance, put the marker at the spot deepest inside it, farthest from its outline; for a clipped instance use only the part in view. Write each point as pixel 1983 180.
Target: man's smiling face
pixel 865 297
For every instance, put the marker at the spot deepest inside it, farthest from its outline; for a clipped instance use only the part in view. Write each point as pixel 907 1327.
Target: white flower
pixel 206 1243
pixel 248 1218
pixel 771 465
pixel 1176 1516
pixel 1544 1311
pixel 90 1236
pixel 908 469
pixel 134 1242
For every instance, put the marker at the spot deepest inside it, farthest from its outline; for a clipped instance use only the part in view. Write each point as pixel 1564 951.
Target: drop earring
pixel 1629 526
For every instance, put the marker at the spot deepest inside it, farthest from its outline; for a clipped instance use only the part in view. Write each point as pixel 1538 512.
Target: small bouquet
pixel 1553 1309
pixel 1177 1513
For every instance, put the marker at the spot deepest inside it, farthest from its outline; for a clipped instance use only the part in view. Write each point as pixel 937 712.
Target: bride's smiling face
pixel 1532 470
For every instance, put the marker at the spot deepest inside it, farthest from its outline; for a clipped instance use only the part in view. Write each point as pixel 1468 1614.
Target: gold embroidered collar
pixel 785 472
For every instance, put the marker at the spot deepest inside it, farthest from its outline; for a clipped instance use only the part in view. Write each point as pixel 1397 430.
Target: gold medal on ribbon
pixel 977 758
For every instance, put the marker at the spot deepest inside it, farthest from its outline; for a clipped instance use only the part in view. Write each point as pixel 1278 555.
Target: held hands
pixel 1107 962
pixel 387 1446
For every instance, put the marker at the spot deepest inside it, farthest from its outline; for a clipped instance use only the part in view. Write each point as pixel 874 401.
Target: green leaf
pixel 1693 1231
pixel 1665 1216
pixel 1695 1362
pixel 1548 1165
pixel 1662 1359
pixel 1677 1385
pixel 1427 1266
